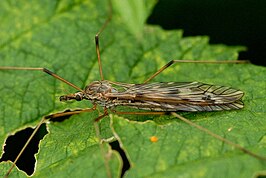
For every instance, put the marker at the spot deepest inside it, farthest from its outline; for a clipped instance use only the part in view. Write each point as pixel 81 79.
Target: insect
pixel 159 98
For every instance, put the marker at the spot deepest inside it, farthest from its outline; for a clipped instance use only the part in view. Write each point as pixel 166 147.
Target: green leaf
pixel 134 14
pixel 60 37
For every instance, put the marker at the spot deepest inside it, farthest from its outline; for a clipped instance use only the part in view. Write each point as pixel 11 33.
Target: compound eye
pixel 78 97
pixel 63 98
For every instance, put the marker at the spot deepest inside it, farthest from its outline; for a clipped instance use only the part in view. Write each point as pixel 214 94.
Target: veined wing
pixel 174 96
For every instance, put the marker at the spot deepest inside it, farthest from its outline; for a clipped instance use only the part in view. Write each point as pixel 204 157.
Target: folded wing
pixel 179 96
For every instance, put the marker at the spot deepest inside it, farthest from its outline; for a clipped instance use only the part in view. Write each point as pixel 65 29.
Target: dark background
pixel 231 22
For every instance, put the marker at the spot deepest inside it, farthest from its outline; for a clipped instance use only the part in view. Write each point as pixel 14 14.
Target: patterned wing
pixel 176 96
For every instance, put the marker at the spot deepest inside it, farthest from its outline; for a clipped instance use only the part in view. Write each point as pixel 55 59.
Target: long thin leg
pixel 198 127
pixel 97 130
pixel 52 116
pixel 70 113
pixel 192 61
pixel 101 116
pixel 139 113
pixel 24 147
pixel 97 39
pixel 218 136
pixel 97 44
pixel 102 78
pixel 45 71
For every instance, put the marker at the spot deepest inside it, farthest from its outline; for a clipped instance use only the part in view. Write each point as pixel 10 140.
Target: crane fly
pixel 162 96
pixel 158 98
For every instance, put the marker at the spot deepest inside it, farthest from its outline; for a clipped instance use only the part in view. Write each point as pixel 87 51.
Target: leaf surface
pixel 59 35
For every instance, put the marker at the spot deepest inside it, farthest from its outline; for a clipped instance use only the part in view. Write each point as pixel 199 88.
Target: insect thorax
pixel 96 91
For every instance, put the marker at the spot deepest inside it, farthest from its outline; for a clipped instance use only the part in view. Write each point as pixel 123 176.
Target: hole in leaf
pixel 126 165
pixel 15 143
